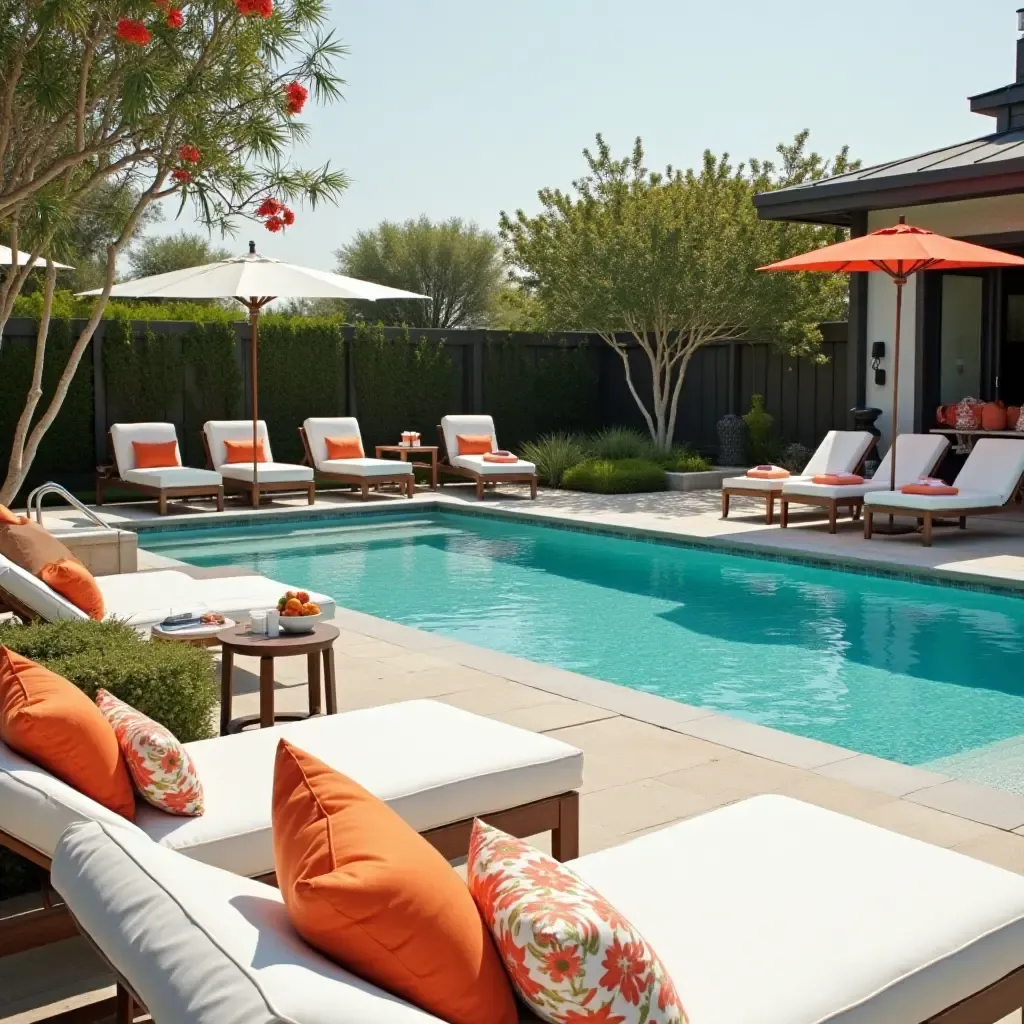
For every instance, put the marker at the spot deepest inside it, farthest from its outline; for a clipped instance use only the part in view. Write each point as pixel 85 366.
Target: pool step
pixel 1000 765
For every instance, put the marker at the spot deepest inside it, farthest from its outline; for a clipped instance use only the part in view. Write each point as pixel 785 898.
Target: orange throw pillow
pixel 768 473
pixel 474 444
pixel 53 724
pixel 344 447
pixel 241 451
pixel 156 454
pixel 837 479
pixel 941 489
pixel 31 546
pixel 368 892
pixel 74 582
pixel 8 518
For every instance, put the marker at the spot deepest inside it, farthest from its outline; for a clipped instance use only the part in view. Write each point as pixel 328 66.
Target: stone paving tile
pixel 549 717
pixel 932 826
pixel 501 696
pixel 1004 849
pixel 625 809
pixel 833 794
pixel 879 774
pixel 979 803
pixel 735 778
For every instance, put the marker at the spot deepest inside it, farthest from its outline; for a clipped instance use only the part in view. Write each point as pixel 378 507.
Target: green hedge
pixel 605 476
pixel 171 683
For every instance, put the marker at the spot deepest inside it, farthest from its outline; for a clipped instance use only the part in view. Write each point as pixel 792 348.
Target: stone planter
pixel 705 480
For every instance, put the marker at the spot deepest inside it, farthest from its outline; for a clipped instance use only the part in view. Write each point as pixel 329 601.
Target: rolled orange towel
pixel 768 473
pixel 497 457
pixel 937 487
pixel 838 479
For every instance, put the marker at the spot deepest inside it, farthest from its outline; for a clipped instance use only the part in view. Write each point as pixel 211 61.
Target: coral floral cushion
pixel 571 956
pixel 159 765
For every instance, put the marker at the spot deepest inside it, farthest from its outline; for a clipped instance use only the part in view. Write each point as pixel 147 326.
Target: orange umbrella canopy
pixel 898 251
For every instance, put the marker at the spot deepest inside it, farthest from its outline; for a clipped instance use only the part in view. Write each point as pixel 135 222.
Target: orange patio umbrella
pixel 899 252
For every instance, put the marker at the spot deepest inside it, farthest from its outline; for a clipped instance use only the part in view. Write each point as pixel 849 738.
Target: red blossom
pixel 270 207
pixel 562 964
pixel 175 19
pixel 288 217
pixel 273 224
pixel 180 174
pixel 626 970
pixel 130 30
pixel 295 94
pixel 255 8
pixel 599 1016
pixel 514 958
pixel 189 154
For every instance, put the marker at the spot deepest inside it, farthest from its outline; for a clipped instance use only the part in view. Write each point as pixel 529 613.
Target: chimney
pixel 1020 45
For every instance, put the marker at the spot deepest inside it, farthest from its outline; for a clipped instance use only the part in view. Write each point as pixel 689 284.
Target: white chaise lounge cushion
pixel 268 472
pixel 433 763
pixel 122 436
pixel 798 915
pixel 916 456
pixel 219 431
pixel 172 476
pixel 202 946
pixel 319 428
pixel 477 426
pixel 478 464
pixel 840 451
pixel 987 479
pixel 35 595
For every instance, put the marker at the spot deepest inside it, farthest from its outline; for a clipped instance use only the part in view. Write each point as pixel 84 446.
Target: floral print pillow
pixel 158 764
pixel 570 955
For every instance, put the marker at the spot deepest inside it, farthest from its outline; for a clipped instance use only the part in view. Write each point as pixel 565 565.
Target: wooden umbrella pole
pixel 254 333
pixel 896 384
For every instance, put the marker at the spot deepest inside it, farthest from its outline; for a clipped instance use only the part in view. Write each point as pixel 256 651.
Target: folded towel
pixel 838 479
pixel 768 473
pixel 931 487
pixel 499 457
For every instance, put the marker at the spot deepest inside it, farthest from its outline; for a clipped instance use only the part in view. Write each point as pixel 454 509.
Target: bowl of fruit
pixel 298 613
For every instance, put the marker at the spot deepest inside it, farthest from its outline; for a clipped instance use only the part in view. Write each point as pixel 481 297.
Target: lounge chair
pixel 164 482
pixel 438 767
pixel 917 455
pixel 475 467
pixel 766 910
pixel 145 598
pixel 986 483
pixel 271 476
pixel 362 473
pixel 841 451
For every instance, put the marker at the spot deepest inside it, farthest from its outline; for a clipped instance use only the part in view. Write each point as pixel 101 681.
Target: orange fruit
pixel 303 596
pixel 294 606
pixel 315 609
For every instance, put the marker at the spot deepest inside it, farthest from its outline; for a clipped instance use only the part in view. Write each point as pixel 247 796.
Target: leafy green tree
pixel 456 264
pixel 160 254
pixel 669 260
pixel 151 100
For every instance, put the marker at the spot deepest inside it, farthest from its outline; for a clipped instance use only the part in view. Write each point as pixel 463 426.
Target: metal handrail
pixel 36 498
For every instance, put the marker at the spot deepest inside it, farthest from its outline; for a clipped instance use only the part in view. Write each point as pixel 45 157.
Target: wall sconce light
pixel 877 355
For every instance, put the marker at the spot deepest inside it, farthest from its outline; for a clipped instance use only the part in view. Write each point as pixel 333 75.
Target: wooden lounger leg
pixel 161 504
pixel 125 1013
pixel 479 489
pixel 832 517
pixel 725 504
pixel 963 522
pixel 926 536
pixel 410 487
pixel 533 489
pixel 364 490
pixel 565 840
pixel 769 508
pixel 311 492
pixel 254 495
pixel 783 513
pixel 868 516
pixel 220 499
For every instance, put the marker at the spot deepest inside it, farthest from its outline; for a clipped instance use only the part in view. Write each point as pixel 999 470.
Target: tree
pixel 456 264
pixel 148 100
pixel 156 254
pixel 669 261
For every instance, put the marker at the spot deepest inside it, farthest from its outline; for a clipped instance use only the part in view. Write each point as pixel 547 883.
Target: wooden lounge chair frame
pixel 855 503
pixel 259 487
pixel 925 517
pixel 559 815
pixel 481 480
pixel 160 493
pixel 406 481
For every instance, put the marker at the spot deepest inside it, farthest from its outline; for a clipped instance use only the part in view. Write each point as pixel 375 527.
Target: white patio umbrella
pixel 253 280
pixel 7 253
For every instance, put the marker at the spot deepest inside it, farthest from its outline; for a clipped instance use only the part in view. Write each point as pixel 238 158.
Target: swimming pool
pixel 906 671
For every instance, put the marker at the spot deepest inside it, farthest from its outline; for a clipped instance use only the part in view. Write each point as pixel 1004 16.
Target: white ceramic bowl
pixel 299 623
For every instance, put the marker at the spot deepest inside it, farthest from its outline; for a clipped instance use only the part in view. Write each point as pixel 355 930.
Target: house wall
pixel 969 218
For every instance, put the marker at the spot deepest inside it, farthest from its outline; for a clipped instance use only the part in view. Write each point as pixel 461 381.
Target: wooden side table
pixel 238 640
pixel 404 451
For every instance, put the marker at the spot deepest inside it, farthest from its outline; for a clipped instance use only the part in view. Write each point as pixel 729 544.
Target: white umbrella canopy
pixel 253 280
pixel 7 259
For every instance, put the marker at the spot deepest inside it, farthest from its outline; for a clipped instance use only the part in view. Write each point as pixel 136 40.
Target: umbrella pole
pixel 896 384
pixel 254 334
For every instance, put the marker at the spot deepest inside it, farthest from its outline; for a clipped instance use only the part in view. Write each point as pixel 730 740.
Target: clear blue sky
pixel 467 107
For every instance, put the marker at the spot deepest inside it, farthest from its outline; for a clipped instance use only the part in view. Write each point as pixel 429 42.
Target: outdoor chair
pixel 986 483
pixel 765 910
pixel 436 765
pixel 841 451
pixel 360 472
pixel 270 476
pixel 917 455
pixel 142 599
pixel 161 482
pixel 478 467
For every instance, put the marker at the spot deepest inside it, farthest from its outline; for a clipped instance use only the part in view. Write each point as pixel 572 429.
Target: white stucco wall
pixel 966 218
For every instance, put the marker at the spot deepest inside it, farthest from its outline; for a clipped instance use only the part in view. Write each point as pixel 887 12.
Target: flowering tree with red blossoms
pixel 195 99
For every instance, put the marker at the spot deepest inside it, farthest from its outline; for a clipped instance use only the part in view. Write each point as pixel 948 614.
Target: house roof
pixel 990 166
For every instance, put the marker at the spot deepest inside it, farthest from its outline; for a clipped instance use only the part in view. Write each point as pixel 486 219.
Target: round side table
pixel 238 640
pixel 195 636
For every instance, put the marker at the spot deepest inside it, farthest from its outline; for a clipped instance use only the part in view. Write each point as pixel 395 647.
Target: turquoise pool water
pixel 906 671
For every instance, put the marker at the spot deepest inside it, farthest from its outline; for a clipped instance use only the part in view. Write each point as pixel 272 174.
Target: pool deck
pixel 648 761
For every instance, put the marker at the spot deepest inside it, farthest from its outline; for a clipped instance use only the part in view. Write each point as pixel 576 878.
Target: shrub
pixel 553 454
pixel 171 683
pixel 686 461
pixel 795 457
pixel 762 447
pixel 622 476
pixel 617 443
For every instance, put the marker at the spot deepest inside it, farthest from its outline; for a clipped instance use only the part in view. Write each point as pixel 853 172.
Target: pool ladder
pixel 35 503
